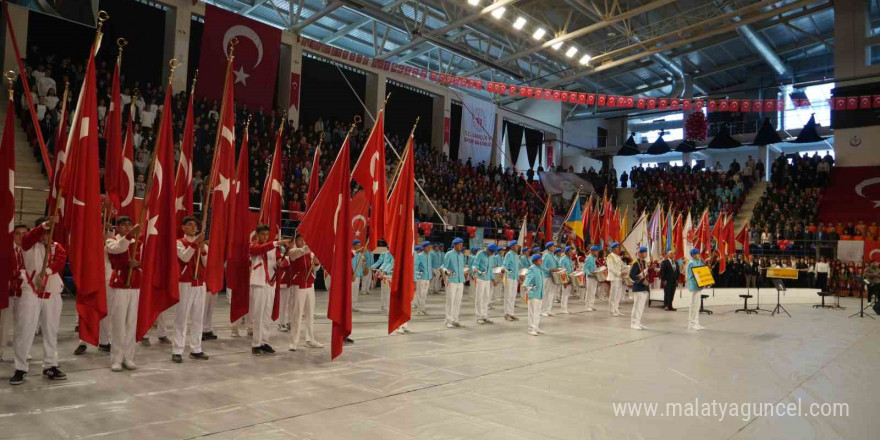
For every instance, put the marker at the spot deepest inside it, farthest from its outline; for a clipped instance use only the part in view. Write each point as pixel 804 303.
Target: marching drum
pixel 497 274
pixel 559 277
pixel 579 278
pixel 522 275
pixel 601 274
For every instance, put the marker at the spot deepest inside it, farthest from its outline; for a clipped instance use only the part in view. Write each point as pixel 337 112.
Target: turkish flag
pixel 712 105
pixel 60 234
pixel 734 105
pixel 743 238
pixel 678 238
pixel 293 97
pixel 273 193
pixel 686 104
pixel 853 195
pixel 865 102
pixel 159 289
pixel 183 184
pixel 238 269
pixel 360 210
pixel 724 105
pixel 674 103
pixel 369 173
pixel 81 185
pixel 547 220
pixel 400 227
pixel 126 180
pixel 663 103
pixel 113 154
pixel 591 99
pixel 872 250
pixel 326 228
pixel 314 177
pixel 611 101
pixel 852 103
pixel 600 100
pixel 256 56
pixel 220 187
pixel 7 204
pixel 746 105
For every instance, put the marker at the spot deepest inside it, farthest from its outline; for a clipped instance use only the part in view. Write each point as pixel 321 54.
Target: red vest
pixel 119 263
pixel 17 267
pixel 188 269
pixel 283 274
pixel 302 275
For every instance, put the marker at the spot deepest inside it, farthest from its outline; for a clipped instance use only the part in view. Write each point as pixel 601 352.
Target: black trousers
pixel 669 293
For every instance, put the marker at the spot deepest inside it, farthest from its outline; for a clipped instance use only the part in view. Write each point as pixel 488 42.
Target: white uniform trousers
pixel 327 280
pixel 510 296
pixel 8 319
pixel 482 298
pixel 165 322
pixel 694 312
pixel 190 307
pixel 103 328
pixel 123 305
pixel 534 314
pixel 385 298
pixel 284 299
pixel 34 311
pixel 260 312
pixel 453 301
pixel 365 283
pixel 639 300
pixel 549 295
pixel 302 303
pixel 563 300
pixel 436 281
pixel 207 325
pixel 592 290
pixel 616 295
pixel 355 287
pixel 422 287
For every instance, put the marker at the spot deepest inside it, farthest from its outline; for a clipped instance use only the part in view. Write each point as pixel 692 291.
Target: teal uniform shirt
pixel 380 261
pixel 512 264
pixel 535 278
pixel 590 264
pixel 453 261
pixel 550 263
pixel 423 267
pixel 495 261
pixel 524 261
pixel 435 259
pixel 565 262
pixel 482 266
pixel 691 281
pixel 388 265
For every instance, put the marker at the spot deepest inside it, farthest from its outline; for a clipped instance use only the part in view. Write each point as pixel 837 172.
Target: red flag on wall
pixel 400 232
pixel 326 227
pixel 369 173
pixel 159 289
pixel 256 56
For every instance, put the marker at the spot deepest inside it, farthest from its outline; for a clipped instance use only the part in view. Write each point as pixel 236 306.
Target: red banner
pixel 854 194
pixel 256 57
pixel 295 79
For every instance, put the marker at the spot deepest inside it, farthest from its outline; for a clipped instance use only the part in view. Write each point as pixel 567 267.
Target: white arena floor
pixel 487 382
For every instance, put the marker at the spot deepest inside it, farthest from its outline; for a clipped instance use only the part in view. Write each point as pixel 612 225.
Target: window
pixel 818 95
pixel 676 163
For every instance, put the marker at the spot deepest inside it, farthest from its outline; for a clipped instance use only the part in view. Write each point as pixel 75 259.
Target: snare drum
pixel 559 277
pixel 601 275
pixel 497 275
pixel 522 275
pixel 578 278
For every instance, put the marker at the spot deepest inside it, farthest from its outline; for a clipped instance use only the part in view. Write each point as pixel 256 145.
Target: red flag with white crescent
pixel 113 154
pixel 7 204
pixel 220 183
pixel 360 211
pixel 369 173
pixel 238 269
pixel 126 180
pixel 159 288
pixel 400 234
pixel 273 192
pixel 314 178
pixel 183 183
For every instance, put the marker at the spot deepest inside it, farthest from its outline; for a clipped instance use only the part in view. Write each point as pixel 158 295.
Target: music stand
pixel 861 312
pixel 758 295
pixel 780 287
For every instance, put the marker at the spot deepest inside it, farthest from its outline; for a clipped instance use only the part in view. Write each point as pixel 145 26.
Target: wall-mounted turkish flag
pixel 256 57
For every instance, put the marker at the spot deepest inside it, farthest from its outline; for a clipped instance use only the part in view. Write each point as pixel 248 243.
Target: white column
pixel 440 120
pixel 375 95
pixel 177 27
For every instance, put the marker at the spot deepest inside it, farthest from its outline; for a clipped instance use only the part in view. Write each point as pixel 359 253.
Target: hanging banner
pixel 851 250
pixel 477 128
pixel 293 110
pixel 566 184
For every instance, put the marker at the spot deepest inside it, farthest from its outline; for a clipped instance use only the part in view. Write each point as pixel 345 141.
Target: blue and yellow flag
pixel 574 220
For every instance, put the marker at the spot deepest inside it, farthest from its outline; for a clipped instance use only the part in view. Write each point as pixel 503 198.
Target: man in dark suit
pixel 670 271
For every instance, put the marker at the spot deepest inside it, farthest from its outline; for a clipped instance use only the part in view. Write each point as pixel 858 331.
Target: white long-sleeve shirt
pixel 615 267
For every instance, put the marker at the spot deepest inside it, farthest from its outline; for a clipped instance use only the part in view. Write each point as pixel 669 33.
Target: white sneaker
pixel 551 314
pixel 590 309
pixel 635 327
pixel 643 327
pixel 545 314
pixel 235 333
pixel 540 332
pixel 481 321
pixel 700 327
pixel 314 344
pixel 694 328
pixel 533 333
pixel 116 367
pixel 564 312
pixel 129 365
pixel 449 325
pixel 291 347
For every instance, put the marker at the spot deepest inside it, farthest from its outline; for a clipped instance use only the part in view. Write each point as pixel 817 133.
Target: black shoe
pixel 199 356
pixel 176 358
pixel 164 340
pixel 267 349
pixel 145 342
pixel 17 378
pixel 208 336
pixel 103 347
pixel 79 350
pixel 76 329
pixel 256 351
pixel 53 373
pixel 348 341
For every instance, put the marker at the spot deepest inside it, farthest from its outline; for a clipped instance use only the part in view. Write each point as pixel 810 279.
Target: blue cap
pixel 558 251
pixel 536 257
pixel 356 241
pixel 454 242
pixel 595 248
pixel 549 243
pixel 695 251
pixel 418 248
pixel 474 250
pixel 643 249
pixel 492 247
pixel 512 243
pixel 536 249
pixel 567 248
pixel 614 245
pixel 426 243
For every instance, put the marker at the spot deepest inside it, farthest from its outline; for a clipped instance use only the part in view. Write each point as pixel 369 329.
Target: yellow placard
pixel 703 275
pixel 780 272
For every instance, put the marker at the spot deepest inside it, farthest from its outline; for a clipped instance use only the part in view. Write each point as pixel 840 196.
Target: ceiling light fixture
pixel 557 46
pixel 585 59
pixel 539 34
pixel 519 23
pixel 571 51
pixel 497 13
pixel 473 2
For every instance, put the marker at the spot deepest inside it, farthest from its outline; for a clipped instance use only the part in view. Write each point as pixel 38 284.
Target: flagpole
pixel 397 169
pixel 173 64
pixel 102 17
pixel 108 208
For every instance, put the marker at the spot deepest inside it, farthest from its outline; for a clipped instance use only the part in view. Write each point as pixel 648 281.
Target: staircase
pixel 748 207
pixel 31 186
